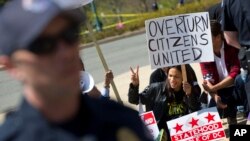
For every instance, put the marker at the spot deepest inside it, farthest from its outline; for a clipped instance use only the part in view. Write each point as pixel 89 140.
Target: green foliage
pixel 195 6
pixel 169 3
pixel 2 2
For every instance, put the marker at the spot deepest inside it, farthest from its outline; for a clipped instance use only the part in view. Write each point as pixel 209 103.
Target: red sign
pixel 148 118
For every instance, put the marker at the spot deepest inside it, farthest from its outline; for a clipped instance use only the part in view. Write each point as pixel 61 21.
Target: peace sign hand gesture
pixel 135 76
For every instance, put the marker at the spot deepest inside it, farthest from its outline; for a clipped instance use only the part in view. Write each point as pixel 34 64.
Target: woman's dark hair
pixel 215 27
pixel 178 67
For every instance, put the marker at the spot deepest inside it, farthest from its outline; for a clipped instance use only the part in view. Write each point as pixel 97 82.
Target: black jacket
pixel 156 97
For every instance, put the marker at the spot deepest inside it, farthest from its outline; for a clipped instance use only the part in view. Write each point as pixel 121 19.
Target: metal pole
pixel 102 59
pixel 97 21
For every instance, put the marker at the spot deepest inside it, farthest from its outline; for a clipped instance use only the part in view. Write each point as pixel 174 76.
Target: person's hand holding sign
pixel 187 88
pixel 135 76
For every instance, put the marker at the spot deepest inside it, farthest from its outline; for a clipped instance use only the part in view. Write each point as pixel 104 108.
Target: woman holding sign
pixel 168 100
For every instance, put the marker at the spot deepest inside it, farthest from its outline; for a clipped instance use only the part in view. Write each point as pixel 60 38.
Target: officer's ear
pixel 4 62
pixel 7 65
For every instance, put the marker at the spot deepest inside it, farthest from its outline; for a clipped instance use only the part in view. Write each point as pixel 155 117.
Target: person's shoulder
pixel 10 127
pixel 120 118
pixel 112 106
pixel 109 108
pixel 157 86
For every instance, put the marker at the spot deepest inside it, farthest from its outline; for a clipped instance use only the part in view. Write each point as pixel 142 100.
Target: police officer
pixel 236 26
pixel 39 47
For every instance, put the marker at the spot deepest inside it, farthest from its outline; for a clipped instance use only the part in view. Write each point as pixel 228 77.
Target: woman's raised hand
pixel 135 76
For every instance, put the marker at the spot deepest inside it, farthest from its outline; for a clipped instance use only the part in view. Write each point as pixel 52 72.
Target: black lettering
pixel 152 29
pixel 205 21
pixel 149 45
pixel 176 41
pixel 204 39
pixel 160 27
pixel 165 58
pixel 167 42
pixel 178 24
pixel 176 54
pixel 197 21
pixel 197 53
pixel 171 57
pixel 156 60
pixel 161 41
pixel 184 54
pixel 185 40
pixel 157 42
pixel 184 24
pixel 194 40
pixel 190 28
pixel 168 27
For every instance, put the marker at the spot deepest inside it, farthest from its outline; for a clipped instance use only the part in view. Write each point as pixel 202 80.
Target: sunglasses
pixel 49 44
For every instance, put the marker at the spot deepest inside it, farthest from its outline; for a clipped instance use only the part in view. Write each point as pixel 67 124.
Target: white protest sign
pixel 203 125
pixel 149 120
pixel 179 39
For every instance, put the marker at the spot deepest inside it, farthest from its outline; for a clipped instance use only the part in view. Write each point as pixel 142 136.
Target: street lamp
pixel 98 24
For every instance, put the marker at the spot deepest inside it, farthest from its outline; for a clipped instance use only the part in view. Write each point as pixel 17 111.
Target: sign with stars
pixel 179 39
pixel 203 125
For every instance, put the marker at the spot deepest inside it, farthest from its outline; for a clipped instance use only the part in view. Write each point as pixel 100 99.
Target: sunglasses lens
pixel 42 46
pixel 71 35
pixel 47 45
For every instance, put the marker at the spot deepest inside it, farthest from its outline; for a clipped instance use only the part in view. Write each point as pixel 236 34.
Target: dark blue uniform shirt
pixel 236 17
pixel 96 120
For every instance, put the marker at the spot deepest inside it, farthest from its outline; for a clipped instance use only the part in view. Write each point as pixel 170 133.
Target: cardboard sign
pixel 149 120
pixel 179 39
pixel 204 125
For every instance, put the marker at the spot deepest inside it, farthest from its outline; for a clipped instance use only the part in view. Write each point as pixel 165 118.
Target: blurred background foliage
pixel 131 14
pixel 115 17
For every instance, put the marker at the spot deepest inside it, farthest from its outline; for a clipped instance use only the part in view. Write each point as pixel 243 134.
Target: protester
pixel 180 3
pixel 92 89
pixel 219 75
pixel 154 6
pixel 236 27
pixel 158 75
pixel 169 99
pixel 39 47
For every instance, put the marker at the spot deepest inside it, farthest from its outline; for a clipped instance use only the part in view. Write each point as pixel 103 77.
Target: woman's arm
pixel 133 93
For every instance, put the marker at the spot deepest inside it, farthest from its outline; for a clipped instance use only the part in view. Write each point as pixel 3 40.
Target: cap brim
pixel 19 26
pixel 86 82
